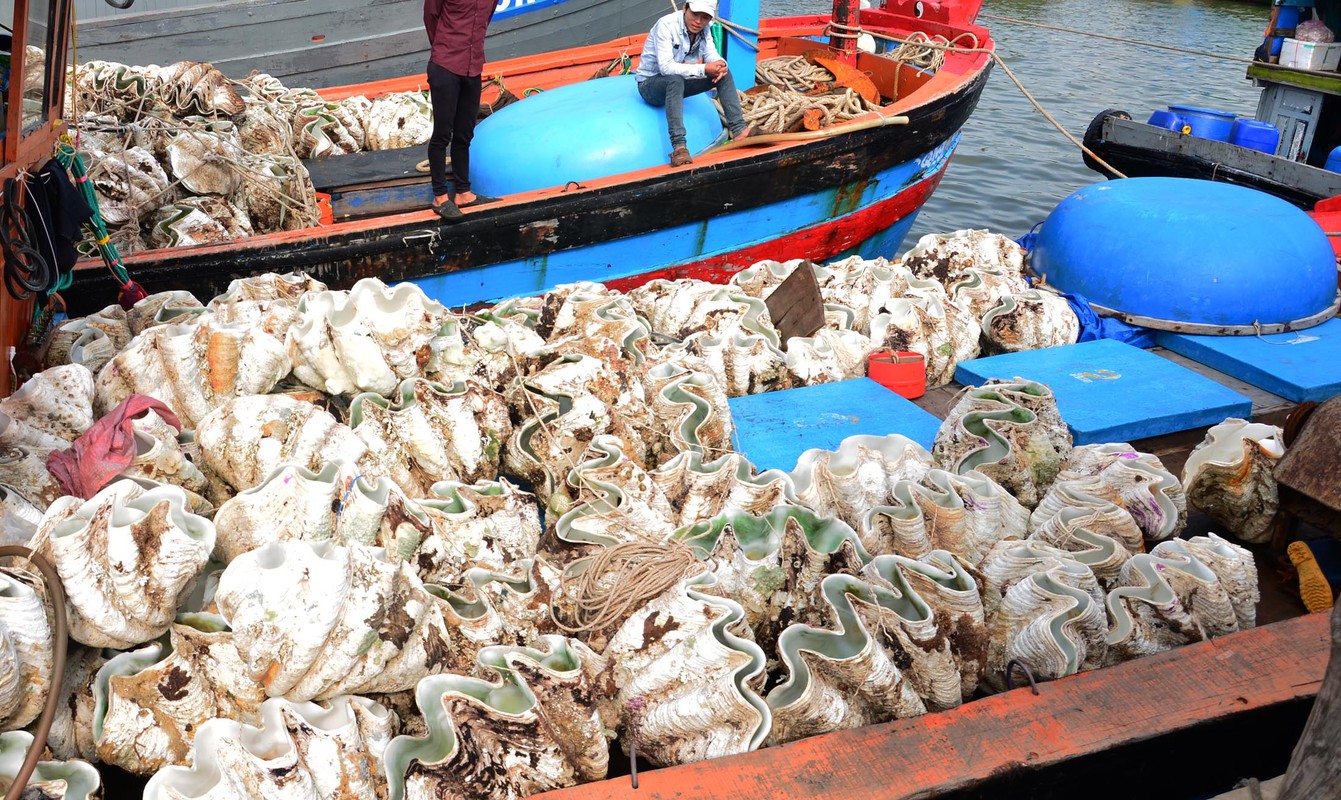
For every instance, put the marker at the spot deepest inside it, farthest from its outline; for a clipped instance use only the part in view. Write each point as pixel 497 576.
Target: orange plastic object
pixel 324 204
pixel 902 372
pixel 811 119
pixel 845 76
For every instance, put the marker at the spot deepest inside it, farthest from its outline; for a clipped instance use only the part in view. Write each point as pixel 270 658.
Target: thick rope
pixel 623 578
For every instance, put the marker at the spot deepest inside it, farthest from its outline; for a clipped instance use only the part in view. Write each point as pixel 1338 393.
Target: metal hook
pixel 1010 665
pixel 573 184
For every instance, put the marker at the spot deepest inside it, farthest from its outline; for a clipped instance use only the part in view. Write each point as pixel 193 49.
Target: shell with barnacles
pixel 398 119
pixel 685 679
pixel 247 438
pixel 130 185
pixel 150 702
pixel 429 432
pixel 1115 479
pixel 926 321
pixel 965 514
pixel 298 750
pixel 194 369
pixel 325 129
pixel 861 474
pixel 1230 477
pixel 203 157
pixel 26 649
pixel 50 411
pixel 535 728
pixel 691 412
pixel 50 780
pixel 511 606
pixel 368 339
pixel 89 341
pixel 264 129
pixel 206 219
pixel 278 194
pixel 829 355
pixel 313 620
pixel 128 558
pixel 1030 320
pixel 1011 432
pixel 193 87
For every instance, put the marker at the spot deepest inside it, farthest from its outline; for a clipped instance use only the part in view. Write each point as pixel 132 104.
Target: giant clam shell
pixel 1230 477
pixel 1166 599
pixel 685 680
pixel 696 488
pixel 128 557
pixel 151 702
pixel 204 158
pixel 500 607
pixel 247 438
pixel 24 477
pixel 827 356
pixel 1052 622
pixel 773 564
pixel 26 650
pixel 19 518
pixel 947 257
pixel 1236 570
pixel 965 514
pixel 1113 476
pixel 399 119
pixel 926 321
pixel 313 620
pixel 90 341
pixel 130 185
pixel 691 410
pixel 278 194
pixel 1011 432
pixel 1009 562
pixel 71 734
pixel 192 87
pixel 1030 320
pixel 861 474
pixel 51 780
pixel 432 433
pixel 194 369
pixel 743 363
pixel 264 129
pixel 192 221
pixel 300 750
pixel 615 500
pixel 368 339
pixel 536 729
pixel 325 129
pixel 50 411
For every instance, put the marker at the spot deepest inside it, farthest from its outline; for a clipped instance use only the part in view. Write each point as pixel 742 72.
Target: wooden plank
pixel 1008 734
pixel 368 166
pixel 796 307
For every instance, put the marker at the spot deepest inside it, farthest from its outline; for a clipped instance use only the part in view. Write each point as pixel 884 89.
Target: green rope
pixel 71 160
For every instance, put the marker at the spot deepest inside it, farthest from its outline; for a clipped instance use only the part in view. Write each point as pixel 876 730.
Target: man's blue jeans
pixel 671 90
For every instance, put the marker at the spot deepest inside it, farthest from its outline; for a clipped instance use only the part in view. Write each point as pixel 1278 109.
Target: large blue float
pixel 1191 255
pixel 580 132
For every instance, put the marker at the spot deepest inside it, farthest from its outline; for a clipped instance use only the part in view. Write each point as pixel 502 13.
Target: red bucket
pixel 902 372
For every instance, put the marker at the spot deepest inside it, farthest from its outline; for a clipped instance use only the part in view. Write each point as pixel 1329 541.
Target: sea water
pixel 1013 166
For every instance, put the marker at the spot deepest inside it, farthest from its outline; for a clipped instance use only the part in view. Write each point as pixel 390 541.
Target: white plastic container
pixel 1310 55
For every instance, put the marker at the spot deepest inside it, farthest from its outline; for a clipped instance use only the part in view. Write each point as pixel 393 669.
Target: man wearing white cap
pixel 679 61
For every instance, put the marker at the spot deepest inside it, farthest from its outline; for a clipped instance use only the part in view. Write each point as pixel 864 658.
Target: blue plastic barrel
pixel 580 132
pixel 1334 160
pixel 1188 251
pixel 1255 135
pixel 1287 17
pixel 1207 122
pixel 1167 120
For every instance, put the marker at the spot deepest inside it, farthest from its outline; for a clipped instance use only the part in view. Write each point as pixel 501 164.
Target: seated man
pixel 679 61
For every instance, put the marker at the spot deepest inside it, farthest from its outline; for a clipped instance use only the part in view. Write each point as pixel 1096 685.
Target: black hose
pixel 25 270
pixel 60 641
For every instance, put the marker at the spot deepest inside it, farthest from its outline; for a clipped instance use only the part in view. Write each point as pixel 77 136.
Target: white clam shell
pixel 536 729
pixel 430 433
pixel 697 488
pixel 965 514
pixel 827 356
pixel 1230 477
pixel 1108 476
pixel 51 780
pixel 247 438
pixel 26 650
pixel 1052 622
pixel 71 734
pixel 368 339
pixel 1011 432
pixel 399 119
pixel 315 620
pixel 50 411
pixel 301 751
pixel 685 680
pixel 151 702
pixel 128 558
pixel 1236 570
pixel 1030 320
pixel 861 474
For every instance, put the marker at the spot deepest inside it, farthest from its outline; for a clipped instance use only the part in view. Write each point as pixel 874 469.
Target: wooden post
pixel 845 16
pixel 1315 767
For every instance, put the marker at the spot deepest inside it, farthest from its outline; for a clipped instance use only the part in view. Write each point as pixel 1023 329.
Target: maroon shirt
pixel 456 33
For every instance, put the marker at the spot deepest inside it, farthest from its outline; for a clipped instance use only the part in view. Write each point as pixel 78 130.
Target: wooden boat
pixel 329 42
pixel 851 187
pixel 1299 104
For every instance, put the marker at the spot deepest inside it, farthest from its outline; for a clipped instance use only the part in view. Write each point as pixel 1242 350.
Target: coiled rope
pixel 623 578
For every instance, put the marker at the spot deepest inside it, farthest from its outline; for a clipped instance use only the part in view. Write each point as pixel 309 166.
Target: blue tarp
pixel 1093 326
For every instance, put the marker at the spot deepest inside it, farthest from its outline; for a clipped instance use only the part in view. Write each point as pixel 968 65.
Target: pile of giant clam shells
pixel 377 552
pixel 182 155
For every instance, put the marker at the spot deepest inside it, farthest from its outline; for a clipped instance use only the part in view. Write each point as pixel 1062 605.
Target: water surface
pixel 1012 166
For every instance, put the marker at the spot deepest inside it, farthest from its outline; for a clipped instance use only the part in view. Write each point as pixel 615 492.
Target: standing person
pixel 456 60
pixel 679 60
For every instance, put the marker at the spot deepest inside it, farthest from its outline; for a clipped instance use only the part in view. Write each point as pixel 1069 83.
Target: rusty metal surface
pixel 1312 464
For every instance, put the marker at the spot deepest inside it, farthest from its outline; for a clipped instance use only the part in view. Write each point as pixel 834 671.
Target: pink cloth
pixel 105 449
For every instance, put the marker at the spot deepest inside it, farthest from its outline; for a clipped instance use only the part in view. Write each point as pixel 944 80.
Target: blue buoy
pixel 580 132
pixel 1207 122
pixel 1172 251
pixel 1333 160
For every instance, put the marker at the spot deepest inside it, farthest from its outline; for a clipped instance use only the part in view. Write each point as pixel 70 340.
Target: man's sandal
pixel 680 157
